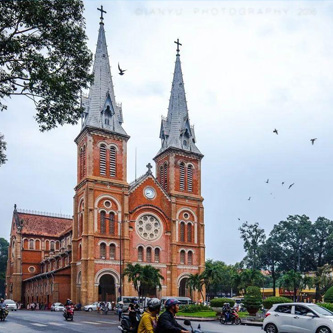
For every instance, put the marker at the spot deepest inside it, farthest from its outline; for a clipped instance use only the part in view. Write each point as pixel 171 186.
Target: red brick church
pixel 157 220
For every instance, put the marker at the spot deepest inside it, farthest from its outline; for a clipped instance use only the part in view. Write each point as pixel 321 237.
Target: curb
pixel 251 323
pixel 196 318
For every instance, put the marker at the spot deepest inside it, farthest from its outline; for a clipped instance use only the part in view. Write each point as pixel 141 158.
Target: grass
pixel 201 314
pixel 243 314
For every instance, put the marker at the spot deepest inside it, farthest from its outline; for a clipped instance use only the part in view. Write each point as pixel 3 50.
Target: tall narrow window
pixel 52 246
pixel 162 176
pixel 111 224
pixel 81 224
pixel 182 176
pixel 148 258
pixel 102 250
pixel 113 161
pixel 157 255
pixel 112 251
pixel 80 252
pixel 140 253
pixel 189 232
pixel 182 257
pixel 190 258
pixel 102 222
pixel 182 231
pixel 165 176
pixel 102 160
pixel 83 161
pixel 190 178
pixel 31 244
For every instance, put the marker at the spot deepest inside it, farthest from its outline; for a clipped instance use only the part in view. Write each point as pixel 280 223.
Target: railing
pixel 35 212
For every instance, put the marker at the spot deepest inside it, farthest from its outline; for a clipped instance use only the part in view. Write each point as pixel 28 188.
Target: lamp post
pixel 120 256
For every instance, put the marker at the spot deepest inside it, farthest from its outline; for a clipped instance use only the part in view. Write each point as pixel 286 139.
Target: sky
pixel 249 67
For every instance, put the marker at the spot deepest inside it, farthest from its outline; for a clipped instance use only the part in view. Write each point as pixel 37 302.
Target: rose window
pixel 148 227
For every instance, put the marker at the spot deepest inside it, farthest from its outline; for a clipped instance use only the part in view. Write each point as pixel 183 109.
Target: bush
pixel 194 308
pixel 328 306
pixel 269 301
pixel 328 297
pixel 252 299
pixel 218 302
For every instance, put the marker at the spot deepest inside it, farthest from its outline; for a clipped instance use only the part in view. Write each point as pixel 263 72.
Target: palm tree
pixel 150 278
pixel 133 273
pixel 196 282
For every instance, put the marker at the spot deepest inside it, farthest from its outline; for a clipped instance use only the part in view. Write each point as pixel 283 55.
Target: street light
pixel 120 254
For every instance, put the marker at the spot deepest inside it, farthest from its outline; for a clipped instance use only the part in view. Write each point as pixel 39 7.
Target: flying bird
pixel 276 131
pixel 267 181
pixel 282 183
pixel 291 185
pixel 238 219
pixel 121 71
pixel 249 198
pixel 313 140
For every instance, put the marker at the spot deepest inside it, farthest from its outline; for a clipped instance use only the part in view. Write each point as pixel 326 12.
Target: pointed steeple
pixel 176 131
pixel 101 109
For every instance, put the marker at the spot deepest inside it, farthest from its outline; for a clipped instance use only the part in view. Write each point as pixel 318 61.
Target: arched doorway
pixel 107 288
pixel 183 290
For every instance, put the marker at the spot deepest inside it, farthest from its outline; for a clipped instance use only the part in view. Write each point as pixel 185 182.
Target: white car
pixel 10 304
pixel 91 307
pixel 57 307
pixel 298 318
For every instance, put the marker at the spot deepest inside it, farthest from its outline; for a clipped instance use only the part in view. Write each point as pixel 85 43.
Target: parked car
pixel 10 304
pixel 57 307
pixel 298 318
pixel 91 307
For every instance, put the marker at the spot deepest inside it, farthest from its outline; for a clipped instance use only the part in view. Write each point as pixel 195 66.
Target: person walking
pixel 166 322
pixel 148 320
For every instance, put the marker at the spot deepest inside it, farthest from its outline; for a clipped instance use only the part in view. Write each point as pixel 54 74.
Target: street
pixel 46 321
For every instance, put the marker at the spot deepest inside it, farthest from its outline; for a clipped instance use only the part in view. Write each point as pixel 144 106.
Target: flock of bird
pixel 291 185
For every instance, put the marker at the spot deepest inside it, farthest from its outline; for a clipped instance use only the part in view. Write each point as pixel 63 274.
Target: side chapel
pixel 157 220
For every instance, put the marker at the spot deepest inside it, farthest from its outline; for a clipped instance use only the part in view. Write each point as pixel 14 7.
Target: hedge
pixel 328 306
pixel 252 298
pixel 194 308
pixel 269 301
pixel 218 302
pixel 328 297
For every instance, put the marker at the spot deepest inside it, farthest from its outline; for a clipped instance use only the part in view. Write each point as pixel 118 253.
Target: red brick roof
pixel 44 225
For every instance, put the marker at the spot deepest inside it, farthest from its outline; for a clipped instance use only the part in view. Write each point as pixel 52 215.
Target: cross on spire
pixel 149 166
pixel 178 46
pixel 102 11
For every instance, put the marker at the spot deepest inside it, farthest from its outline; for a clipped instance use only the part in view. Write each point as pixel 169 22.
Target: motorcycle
pixel 69 313
pixel 126 325
pixel 233 318
pixel 3 314
pixel 193 330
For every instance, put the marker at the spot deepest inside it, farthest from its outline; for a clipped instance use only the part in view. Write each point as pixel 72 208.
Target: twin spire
pixel 102 111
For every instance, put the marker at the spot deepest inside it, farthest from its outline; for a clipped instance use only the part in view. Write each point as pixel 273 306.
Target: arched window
pixel 157 255
pixel 111 224
pixel 190 258
pixel 190 178
pixel 162 176
pixel 102 216
pixel 112 251
pixel 25 244
pixel 165 176
pixel 31 244
pixel 113 161
pixel 182 231
pixel 102 251
pixel 140 253
pixel 182 176
pixel 37 244
pixel 182 257
pixel 52 246
pixel 102 160
pixel 189 232
pixel 148 258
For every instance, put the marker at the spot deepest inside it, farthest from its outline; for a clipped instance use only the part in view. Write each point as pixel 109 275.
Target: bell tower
pixel 101 192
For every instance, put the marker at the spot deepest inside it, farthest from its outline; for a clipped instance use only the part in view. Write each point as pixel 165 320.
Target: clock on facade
pixel 149 192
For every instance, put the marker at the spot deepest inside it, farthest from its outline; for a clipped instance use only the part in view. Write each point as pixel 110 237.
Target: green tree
pixel 213 274
pixel 248 277
pixel 195 282
pixel 44 56
pixel 253 237
pixel 133 273
pixel 3 264
pixel 3 146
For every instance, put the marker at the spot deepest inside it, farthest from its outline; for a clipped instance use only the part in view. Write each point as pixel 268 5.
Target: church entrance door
pixel 107 288
pixel 183 290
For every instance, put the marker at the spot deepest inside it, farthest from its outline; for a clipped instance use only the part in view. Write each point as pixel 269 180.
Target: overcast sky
pixel 249 67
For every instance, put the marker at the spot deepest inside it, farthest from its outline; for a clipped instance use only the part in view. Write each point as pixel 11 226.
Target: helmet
pixel 170 302
pixel 154 304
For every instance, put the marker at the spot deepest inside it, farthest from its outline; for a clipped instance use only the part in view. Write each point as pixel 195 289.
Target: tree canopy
pixel 44 56
pixel 3 263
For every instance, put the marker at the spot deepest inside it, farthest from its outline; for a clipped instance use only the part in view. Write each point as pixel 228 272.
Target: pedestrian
pixel 120 309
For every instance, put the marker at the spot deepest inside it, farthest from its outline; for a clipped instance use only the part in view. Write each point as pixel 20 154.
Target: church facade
pixel 157 220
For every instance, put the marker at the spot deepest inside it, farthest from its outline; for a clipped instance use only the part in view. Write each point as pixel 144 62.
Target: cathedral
pixel 157 220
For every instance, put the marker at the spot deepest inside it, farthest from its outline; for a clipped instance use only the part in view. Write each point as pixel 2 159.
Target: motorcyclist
pixel 3 310
pixel 167 322
pixel 226 311
pixel 148 321
pixel 132 315
pixel 68 302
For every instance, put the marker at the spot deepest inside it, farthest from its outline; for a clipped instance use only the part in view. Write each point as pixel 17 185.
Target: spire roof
pixel 101 109
pixel 176 131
